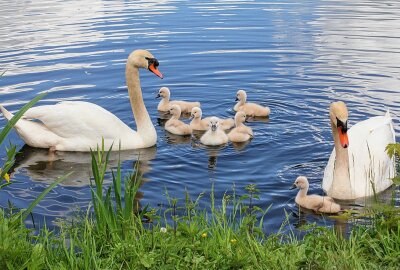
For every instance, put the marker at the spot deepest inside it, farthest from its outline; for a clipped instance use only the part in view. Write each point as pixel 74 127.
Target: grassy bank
pixel 115 234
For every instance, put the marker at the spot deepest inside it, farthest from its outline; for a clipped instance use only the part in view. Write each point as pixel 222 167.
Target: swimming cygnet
pixel 214 135
pixel 322 204
pixel 165 103
pixel 176 126
pixel 250 109
pixel 241 132
pixel 202 124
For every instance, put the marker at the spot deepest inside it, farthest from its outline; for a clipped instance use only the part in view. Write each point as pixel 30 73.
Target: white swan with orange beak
pixel 359 165
pixel 81 126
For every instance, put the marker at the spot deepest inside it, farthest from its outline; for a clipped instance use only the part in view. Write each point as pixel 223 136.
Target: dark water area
pixel 295 57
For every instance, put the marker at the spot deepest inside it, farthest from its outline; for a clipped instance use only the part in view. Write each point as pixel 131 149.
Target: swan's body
pixel 81 126
pixel 322 204
pixel 165 103
pixel 250 109
pixel 214 135
pixel 198 123
pixel 363 168
pixel 241 132
pixel 176 126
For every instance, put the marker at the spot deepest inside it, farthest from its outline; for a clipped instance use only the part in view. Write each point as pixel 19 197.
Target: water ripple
pixel 295 57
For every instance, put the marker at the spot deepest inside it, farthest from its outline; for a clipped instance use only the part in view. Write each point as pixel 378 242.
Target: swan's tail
pixel 6 113
pixel 34 134
pixel 387 114
pixel 389 118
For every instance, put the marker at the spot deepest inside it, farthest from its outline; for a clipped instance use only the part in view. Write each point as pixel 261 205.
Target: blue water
pixel 294 56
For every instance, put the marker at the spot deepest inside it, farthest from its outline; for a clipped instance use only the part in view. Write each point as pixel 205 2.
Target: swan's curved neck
pixel 176 116
pixel 144 125
pixel 302 192
pixel 165 99
pixel 341 185
pixel 196 120
pixel 238 123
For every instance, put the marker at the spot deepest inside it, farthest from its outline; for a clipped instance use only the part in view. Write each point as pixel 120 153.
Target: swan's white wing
pixel 370 167
pixel 78 119
pixel 79 126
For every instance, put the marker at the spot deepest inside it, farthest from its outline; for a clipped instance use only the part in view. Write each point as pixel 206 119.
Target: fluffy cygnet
pixel 250 109
pixel 165 103
pixel 241 132
pixel 198 123
pixel 176 126
pixel 322 204
pixel 214 135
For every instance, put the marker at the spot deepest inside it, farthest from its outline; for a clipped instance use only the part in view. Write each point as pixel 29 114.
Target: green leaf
pixel 24 214
pixel 396 180
pixel 10 124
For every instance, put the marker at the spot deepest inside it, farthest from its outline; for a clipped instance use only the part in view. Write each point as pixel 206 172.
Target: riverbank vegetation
pixel 116 233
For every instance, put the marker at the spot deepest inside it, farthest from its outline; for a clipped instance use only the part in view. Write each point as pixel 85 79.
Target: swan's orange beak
pixel 344 139
pixel 154 69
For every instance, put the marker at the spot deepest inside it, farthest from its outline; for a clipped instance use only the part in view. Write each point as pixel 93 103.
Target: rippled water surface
pixel 294 57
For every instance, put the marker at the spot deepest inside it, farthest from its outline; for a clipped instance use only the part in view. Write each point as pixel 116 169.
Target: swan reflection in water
pixel 42 166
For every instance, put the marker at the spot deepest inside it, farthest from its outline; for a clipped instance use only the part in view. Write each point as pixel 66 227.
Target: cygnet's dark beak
pixel 158 95
pixel 293 187
pixel 236 99
pixel 191 116
pixel 213 127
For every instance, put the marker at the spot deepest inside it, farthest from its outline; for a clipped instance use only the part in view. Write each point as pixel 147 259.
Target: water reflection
pixel 171 138
pixel 301 56
pixel 42 166
pixel 239 146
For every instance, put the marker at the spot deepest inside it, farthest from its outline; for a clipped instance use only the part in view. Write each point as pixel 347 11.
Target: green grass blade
pixel 10 124
pixel 24 214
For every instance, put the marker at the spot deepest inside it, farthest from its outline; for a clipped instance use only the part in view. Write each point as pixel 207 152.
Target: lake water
pixel 294 56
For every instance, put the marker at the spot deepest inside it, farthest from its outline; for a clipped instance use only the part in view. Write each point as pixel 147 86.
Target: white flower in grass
pixel 163 230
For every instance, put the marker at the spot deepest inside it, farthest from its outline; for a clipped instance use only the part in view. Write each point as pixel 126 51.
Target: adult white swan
pixel 358 166
pixel 79 126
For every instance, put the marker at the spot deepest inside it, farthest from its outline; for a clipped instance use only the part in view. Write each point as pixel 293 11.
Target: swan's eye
pixel 341 124
pixel 152 61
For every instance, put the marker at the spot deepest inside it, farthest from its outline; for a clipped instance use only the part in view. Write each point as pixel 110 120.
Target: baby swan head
pixel 175 110
pixel 196 113
pixel 241 96
pixel 163 92
pixel 213 124
pixel 301 183
pixel 240 117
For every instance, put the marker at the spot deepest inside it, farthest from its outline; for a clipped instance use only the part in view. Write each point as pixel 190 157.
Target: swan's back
pixel 368 160
pixel 80 126
pixel 77 118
